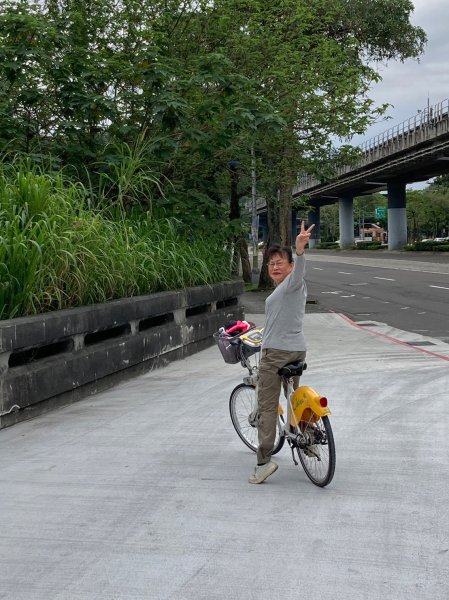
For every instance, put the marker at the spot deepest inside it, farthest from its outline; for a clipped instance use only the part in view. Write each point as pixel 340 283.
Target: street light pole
pixel 254 218
pixel 234 211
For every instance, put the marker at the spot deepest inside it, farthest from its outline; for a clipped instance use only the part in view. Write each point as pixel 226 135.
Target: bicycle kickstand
pixel 293 453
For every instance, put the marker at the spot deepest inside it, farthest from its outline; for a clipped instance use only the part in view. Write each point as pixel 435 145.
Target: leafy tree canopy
pixel 195 83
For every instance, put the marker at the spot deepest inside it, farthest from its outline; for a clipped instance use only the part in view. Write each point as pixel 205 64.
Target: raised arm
pixel 302 238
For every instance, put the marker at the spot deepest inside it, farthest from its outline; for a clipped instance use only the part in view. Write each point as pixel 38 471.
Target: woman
pixel 283 341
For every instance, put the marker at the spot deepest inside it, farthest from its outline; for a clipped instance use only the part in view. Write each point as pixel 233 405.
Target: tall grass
pixel 56 253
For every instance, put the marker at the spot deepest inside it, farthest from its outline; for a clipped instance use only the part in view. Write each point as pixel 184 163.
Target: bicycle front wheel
pixel 318 456
pixel 244 415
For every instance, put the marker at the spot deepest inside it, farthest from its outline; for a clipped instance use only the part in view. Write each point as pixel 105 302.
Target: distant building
pixel 373 233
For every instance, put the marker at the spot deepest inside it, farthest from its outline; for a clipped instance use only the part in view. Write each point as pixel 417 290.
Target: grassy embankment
pixel 56 252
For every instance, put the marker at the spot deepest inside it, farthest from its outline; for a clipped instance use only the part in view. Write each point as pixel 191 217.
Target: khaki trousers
pixel 268 397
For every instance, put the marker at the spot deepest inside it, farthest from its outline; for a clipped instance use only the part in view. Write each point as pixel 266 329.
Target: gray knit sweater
pixel 284 311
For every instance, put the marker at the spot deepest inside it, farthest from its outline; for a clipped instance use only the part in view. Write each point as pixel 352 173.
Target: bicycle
pixel 306 429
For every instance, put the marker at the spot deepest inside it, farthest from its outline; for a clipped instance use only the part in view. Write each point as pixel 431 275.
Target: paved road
pixel 141 493
pixel 408 294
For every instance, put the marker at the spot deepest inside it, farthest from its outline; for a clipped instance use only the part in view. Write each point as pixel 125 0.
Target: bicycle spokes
pixel 316 451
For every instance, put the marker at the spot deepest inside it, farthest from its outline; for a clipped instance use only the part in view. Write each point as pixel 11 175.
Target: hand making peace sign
pixel 303 237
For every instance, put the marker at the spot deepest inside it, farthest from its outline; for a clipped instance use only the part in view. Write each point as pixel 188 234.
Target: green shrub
pixel 57 253
pixel 327 245
pixel 429 246
pixel 367 246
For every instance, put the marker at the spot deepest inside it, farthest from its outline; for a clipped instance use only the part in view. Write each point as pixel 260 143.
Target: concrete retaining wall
pixel 52 359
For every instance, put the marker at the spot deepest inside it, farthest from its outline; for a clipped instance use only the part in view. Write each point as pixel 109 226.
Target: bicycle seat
pixel 293 369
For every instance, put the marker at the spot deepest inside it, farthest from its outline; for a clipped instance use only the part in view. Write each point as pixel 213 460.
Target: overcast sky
pixel 409 85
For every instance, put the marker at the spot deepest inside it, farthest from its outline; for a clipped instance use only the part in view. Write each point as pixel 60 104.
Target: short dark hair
pixel 284 251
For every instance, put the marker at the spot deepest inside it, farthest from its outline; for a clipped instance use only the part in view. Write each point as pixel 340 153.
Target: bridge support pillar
pixel 397 216
pixel 346 219
pixel 313 217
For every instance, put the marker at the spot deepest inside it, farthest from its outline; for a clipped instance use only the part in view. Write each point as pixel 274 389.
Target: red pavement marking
pixel 392 339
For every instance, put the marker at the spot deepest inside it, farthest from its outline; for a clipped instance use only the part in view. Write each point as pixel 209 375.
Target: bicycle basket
pixel 229 348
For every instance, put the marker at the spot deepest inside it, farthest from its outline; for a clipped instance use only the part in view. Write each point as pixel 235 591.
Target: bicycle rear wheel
pixel 243 409
pixel 318 456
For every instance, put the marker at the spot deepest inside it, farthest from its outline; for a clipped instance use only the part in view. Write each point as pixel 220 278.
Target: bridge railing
pixel 424 126
pixel 54 358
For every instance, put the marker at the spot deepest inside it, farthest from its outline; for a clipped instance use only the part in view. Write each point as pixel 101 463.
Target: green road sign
pixel 380 212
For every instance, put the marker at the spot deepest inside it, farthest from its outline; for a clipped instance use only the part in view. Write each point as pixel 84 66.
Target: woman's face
pixel 279 268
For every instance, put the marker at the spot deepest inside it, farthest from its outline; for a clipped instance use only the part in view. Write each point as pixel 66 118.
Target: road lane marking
pixel 405 307
pixel 318 269
pixel 440 287
pixel 331 292
pixel 385 278
pixel 358 284
pixel 368 263
pixel 350 296
pixel 344 273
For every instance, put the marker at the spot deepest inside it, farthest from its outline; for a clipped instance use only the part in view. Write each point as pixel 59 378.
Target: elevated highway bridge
pixel 415 150
pixel 412 151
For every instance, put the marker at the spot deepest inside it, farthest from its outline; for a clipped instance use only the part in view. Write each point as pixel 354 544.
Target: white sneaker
pixel 262 472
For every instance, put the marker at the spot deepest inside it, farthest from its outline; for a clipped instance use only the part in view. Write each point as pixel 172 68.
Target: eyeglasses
pixel 278 263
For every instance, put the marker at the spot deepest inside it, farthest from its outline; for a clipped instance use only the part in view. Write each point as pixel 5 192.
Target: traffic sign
pixel 380 212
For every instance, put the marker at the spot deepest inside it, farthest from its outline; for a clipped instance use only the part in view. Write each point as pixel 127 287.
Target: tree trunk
pixel 244 256
pixel 285 215
pixel 265 282
pixel 272 238
pixel 279 209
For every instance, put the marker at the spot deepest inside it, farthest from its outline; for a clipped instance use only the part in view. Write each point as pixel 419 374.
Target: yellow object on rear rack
pixel 252 338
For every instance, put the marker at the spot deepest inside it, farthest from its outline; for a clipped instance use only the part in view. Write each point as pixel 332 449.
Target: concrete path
pixel 141 492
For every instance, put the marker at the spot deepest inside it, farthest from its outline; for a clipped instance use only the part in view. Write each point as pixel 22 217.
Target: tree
pixel 315 62
pixel 25 59
pixel 440 183
pixel 84 81
pixel 428 213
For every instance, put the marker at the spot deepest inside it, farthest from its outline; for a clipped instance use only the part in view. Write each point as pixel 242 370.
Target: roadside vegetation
pixel 429 246
pixel 56 251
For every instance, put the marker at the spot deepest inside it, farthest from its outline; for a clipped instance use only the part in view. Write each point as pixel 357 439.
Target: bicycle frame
pixel 304 405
